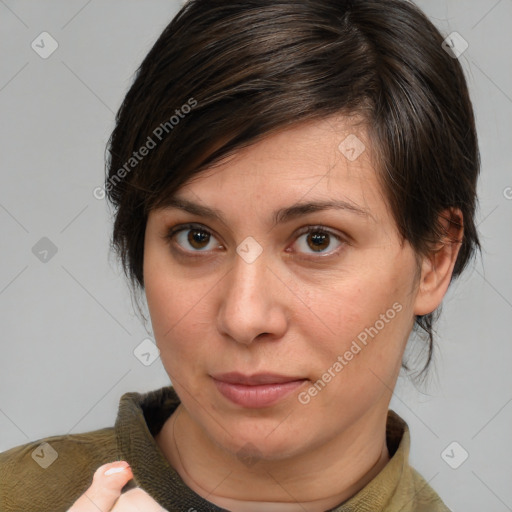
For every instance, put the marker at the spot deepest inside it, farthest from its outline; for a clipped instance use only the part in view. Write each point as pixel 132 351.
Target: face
pixel 281 325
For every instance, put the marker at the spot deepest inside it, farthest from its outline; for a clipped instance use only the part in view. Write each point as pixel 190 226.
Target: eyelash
pixel 169 237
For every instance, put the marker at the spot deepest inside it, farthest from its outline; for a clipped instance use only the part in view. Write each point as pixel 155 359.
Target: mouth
pixel 256 391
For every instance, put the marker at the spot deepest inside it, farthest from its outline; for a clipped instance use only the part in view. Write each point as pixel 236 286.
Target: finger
pixel 107 482
pixel 137 500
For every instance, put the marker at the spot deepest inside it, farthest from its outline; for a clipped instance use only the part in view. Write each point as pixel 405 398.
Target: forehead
pixel 326 160
pixel 321 160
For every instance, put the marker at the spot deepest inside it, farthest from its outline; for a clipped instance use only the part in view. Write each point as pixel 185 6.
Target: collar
pixel 141 416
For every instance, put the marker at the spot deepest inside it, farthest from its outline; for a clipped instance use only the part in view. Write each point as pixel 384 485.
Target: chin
pixel 269 440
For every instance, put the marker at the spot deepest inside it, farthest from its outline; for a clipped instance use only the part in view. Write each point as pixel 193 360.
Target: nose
pixel 252 305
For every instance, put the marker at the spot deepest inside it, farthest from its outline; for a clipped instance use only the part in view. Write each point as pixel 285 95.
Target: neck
pixel 316 481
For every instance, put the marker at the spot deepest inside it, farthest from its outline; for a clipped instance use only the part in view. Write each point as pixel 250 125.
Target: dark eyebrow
pixel 292 212
pixel 280 216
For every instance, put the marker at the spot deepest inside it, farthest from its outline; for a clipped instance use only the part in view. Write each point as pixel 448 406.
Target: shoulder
pixel 51 473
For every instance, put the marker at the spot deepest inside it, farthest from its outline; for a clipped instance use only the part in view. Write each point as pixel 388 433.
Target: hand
pixel 104 494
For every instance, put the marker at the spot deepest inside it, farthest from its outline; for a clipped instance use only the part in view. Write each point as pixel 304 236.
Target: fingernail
pixel 112 471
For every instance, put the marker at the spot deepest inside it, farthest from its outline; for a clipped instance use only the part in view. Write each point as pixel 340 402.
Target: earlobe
pixel 437 267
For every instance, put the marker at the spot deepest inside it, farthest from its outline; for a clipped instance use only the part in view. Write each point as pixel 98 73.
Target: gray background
pixel 67 351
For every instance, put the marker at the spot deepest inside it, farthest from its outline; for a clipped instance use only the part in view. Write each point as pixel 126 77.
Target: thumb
pixel 107 483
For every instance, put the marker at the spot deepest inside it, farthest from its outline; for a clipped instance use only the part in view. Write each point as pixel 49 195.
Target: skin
pixel 292 311
pixel 104 493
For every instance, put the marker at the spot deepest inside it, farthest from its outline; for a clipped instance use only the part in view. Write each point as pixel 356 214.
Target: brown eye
pixel 319 240
pixel 198 238
pixel 192 238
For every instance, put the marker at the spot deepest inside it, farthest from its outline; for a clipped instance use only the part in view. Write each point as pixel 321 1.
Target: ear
pixel 437 266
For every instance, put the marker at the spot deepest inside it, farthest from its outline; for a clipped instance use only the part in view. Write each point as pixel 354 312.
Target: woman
pixel 295 189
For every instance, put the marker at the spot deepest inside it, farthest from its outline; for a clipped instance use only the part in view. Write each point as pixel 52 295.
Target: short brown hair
pixel 224 73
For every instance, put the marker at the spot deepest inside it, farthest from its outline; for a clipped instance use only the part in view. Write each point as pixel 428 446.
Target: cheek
pixel 351 305
pixel 355 367
pixel 178 307
pixel 167 295
pixel 171 307
pixel 365 319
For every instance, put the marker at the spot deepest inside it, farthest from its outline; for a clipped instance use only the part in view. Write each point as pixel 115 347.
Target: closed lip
pixel 255 380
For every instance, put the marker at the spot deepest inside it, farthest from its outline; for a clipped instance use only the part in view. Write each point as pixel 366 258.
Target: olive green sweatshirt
pixel 48 475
